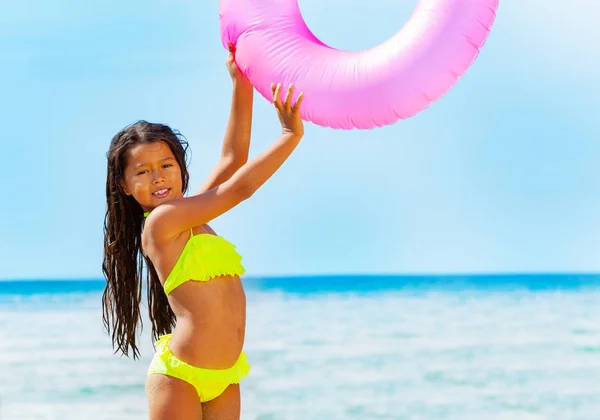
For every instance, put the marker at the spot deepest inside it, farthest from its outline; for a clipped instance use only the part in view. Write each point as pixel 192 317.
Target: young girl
pixel 194 288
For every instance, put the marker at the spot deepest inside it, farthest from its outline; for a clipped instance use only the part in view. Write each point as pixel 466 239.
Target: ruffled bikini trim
pixel 205 257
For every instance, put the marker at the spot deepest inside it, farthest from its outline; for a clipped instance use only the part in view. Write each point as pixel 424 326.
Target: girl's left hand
pixel 234 70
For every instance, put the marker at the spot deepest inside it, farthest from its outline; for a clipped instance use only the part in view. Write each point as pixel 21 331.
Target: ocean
pixel 522 347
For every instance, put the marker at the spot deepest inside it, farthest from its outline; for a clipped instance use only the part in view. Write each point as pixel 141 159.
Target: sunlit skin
pixel 151 169
pixel 211 316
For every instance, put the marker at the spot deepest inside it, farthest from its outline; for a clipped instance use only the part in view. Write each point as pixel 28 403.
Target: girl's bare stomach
pixel 211 322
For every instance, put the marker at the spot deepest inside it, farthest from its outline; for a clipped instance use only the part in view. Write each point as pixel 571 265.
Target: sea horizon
pixel 307 283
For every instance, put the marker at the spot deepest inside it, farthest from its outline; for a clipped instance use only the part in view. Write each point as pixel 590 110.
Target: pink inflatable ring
pixel 365 89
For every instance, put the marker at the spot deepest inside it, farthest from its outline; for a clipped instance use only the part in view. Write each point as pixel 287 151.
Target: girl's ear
pixel 124 187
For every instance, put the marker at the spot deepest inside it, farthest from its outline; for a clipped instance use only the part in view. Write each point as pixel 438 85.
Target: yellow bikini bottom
pixel 209 383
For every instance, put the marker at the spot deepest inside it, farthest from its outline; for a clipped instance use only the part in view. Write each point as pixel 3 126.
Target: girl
pixel 194 288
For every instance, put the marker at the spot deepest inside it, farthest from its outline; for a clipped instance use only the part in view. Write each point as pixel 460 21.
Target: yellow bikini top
pixel 204 257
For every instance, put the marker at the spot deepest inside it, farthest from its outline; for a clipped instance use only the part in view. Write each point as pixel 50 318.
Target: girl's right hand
pixel 289 115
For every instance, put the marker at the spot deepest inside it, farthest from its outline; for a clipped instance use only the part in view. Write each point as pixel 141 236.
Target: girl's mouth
pixel 161 193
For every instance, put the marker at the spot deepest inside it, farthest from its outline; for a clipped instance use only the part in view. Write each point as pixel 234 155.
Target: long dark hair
pixel 123 264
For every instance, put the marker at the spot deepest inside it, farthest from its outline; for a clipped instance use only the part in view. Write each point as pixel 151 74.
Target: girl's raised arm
pixel 173 217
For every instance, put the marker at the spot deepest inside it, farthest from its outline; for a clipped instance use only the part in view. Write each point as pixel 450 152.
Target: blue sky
pixel 501 175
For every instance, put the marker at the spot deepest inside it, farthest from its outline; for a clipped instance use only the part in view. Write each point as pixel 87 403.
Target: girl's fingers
pixel 298 102
pixel 277 96
pixel 288 98
pixel 288 104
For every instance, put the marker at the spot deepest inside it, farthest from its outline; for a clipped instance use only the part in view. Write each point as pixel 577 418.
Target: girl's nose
pixel 157 177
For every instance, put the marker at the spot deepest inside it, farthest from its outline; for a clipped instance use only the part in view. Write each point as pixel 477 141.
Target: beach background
pixel 444 267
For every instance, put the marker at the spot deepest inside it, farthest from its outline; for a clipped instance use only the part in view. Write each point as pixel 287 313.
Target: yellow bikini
pixel 203 258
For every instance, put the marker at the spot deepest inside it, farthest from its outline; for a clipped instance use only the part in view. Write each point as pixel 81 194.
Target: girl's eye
pixel 167 165
pixel 141 172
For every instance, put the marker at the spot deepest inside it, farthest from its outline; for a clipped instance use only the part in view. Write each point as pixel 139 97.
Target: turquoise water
pixel 483 347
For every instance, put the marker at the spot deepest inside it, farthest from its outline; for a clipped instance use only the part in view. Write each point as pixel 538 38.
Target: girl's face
pixel 152 175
